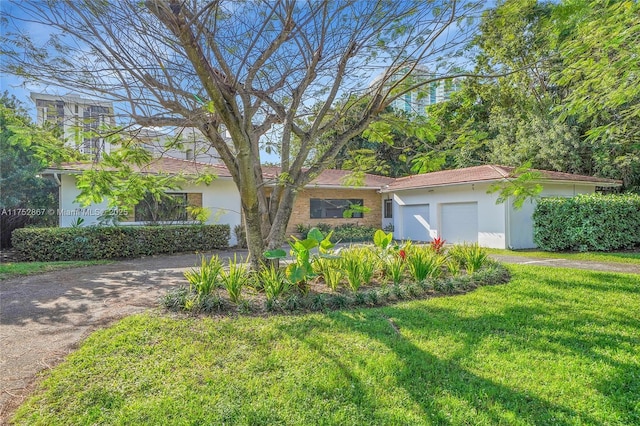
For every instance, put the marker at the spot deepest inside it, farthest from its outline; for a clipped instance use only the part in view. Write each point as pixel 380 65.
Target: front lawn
pixel 16 269
pixel 631 257
pixel 554 346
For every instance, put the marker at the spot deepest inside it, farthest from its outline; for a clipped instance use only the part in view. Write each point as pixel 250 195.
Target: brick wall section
pixel 301 208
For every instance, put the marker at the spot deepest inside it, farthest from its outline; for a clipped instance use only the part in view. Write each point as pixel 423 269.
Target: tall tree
pixel 26 197
pixel 253 66
pixel 600 45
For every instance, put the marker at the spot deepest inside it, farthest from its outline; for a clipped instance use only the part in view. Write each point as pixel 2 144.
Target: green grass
pixel 554 346
pixel 16 269
pixel 616 257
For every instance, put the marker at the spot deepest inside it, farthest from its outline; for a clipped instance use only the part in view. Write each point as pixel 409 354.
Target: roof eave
pixel 605 184
pixel 440 185
pixel 78 172
pixel 313 186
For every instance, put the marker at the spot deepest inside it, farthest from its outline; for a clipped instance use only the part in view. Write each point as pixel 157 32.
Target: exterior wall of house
pixel 387 222
pixel 520 222
pixel 221 198
pixel 302 207
pixel 490 218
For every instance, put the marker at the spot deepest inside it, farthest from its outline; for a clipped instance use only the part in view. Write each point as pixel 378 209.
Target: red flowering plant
pixel 437 245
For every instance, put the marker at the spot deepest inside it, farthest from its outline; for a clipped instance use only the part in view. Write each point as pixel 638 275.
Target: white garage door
pixel 415 222
pixel 459 222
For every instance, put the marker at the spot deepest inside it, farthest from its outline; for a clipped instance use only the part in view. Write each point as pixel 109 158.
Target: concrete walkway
pixel 44 317
pixel 626 268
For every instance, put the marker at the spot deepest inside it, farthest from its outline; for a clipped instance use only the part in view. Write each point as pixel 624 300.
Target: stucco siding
pixel 221 198
pixel 491 216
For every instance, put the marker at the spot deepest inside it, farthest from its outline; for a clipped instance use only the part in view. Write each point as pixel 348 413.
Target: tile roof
pixel 482 174
pixel 162 165
pixel 343 178
pixel 168 165
pixel 339 178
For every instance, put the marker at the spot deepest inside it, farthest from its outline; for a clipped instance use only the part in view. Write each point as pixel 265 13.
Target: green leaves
pixel 524 185
pixel 381 239
pixel 587 223
pixel 275 254
pixel 428 162
pixel 108 242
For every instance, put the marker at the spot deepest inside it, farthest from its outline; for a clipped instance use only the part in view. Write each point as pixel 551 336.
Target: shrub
pixel 235 278
pixel 587 222
pixel 359 265
pixel 274 283
pixel 471 256
pixel 108 242
pixel 424 263
pixel 330 271
pixel 394 267
pixel 203 280
pixel 351 233
pixel 241 235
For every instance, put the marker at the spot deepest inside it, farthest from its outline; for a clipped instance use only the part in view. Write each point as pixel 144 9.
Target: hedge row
pixel 345 233
pixel 48 244
pixel 588 223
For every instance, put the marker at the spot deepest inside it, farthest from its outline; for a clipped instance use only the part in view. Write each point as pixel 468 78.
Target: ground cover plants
pixel 553 346
pixel 315 276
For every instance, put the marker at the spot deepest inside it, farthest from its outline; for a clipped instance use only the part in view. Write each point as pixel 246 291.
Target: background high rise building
pixel 416 101
pixel 81 122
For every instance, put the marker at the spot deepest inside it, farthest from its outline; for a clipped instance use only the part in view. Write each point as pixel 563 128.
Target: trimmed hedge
pixel 587 223
pixel 345 233
pixel 108 242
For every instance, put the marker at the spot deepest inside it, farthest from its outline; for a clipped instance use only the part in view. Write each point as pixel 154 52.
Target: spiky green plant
pixel 333 277
pixel 453 266
pixel 471 256
pixel 394 268
pixel 352 267
pixel 204 280
pixel 234 278
pixel 274 282
pixel 424 263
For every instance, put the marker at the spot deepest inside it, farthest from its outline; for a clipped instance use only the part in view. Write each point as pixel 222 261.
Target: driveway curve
pixel 44 317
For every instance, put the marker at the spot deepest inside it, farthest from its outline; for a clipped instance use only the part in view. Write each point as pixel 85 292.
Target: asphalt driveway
pixel 44 317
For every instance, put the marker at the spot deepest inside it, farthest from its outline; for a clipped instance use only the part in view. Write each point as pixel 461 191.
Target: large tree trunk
pixel 277 235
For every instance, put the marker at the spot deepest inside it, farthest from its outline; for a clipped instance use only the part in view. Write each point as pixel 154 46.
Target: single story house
pixel 452 204
pixel 455 205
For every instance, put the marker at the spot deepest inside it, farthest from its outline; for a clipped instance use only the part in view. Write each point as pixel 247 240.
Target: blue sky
pixel 16 85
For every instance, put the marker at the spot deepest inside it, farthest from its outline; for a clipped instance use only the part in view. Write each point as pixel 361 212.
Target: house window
pixel 388 209
pixel 169 208
pixel 331 209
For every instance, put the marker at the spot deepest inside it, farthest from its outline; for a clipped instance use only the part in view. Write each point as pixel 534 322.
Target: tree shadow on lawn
pixel 448 391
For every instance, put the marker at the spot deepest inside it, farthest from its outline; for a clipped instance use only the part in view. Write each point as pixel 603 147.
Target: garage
pixel 459 222
pixel 415 222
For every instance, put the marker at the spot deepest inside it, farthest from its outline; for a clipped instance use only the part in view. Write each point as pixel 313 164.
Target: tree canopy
pixel 255 67
pixel 569 99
